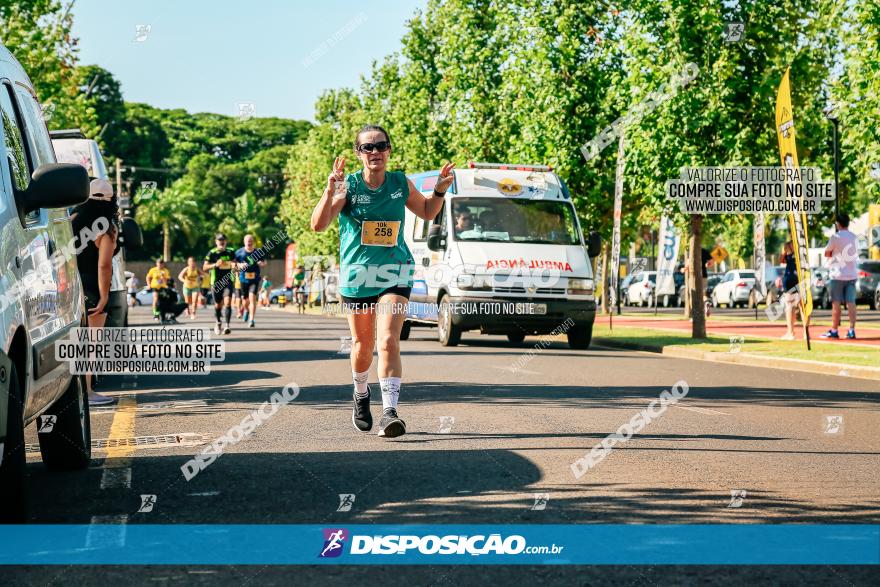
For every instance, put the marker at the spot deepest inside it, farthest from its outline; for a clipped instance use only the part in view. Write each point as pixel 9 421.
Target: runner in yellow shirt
pixel 189 275
pixel 158 278
pixel 204 285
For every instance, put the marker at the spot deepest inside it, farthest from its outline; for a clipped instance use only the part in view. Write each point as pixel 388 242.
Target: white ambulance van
pixel 506 255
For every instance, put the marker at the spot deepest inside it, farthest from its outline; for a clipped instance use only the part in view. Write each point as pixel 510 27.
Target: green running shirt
pixel 371 259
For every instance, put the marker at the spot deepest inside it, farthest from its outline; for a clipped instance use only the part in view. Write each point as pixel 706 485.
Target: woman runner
pixel 375 264
pixel 189 276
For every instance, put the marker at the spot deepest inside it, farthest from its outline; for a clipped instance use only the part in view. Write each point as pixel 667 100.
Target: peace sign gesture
pixel 338 173
pixel 445 179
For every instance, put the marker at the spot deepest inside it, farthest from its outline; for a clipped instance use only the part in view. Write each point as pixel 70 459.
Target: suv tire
pixel 13 470
pixel 68 446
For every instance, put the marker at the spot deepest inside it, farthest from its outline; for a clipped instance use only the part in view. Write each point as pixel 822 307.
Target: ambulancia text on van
pixel 506 255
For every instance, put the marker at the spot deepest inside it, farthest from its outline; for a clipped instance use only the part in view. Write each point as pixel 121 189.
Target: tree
pixel 171 210
pixel 103 94
pixel 38 33
pixel 857 94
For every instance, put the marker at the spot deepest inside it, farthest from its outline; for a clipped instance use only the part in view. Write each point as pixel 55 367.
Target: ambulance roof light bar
pixel 509 166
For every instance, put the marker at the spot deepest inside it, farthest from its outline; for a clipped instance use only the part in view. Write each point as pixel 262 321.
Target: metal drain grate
pixel 141 442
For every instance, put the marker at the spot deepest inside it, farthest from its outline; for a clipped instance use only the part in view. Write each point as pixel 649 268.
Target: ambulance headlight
pixel 472 282
pixel 580 287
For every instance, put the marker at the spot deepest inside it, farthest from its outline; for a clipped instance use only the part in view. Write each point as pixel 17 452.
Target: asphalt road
pixel 515 433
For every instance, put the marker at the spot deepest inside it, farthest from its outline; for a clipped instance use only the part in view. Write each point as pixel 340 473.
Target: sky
pixel 212 55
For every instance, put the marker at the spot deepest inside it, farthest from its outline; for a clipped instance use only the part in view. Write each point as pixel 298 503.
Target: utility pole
pixel 118 179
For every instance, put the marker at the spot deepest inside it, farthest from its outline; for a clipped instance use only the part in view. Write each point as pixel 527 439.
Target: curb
pixel 751 360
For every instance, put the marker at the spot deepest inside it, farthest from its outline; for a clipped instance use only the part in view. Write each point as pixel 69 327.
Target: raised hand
pixel 338 173
pixel 445 179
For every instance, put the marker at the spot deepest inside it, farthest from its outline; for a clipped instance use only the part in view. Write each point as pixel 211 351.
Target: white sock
pixel 360 383
pixel 390 391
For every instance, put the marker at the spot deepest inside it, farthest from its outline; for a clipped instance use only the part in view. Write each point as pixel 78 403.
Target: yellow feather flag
pixel 797 221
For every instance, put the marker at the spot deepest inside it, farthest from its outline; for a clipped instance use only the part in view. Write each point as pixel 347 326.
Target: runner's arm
pixel 180 275
pixel 330 205
pixel 327 209
pixel 425 208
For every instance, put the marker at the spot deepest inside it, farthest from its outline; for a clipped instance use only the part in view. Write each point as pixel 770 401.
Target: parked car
pixel 42 297
pixel 623 286
pixel 71 146
pixel 734 289
pixel 676 299
pixel 279 291
pixel 709 283
pixel 866 286
pixel 144 296
pixel 641 290
pixel 820 287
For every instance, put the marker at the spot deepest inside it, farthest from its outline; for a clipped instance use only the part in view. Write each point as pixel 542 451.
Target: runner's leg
pixel 362 324
pixel 227 308
pixel 390 314
pixel 252 300
pixel 218 307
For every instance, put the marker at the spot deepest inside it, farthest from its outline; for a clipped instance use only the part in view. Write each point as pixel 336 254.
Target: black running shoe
pixel 390 426
pixel 360 415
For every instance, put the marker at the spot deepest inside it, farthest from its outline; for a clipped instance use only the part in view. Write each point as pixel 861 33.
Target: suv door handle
pixel 50 247
pixel 426 262
pixel 17 262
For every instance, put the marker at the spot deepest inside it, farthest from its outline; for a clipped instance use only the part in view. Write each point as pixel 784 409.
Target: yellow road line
pixel 122 427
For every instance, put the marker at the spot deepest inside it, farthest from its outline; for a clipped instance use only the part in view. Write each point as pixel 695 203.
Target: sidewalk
pixel 762 328
pixel 759 345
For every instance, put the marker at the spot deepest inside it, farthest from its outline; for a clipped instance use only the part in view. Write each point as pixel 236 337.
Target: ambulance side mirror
pixel 436 238
pixel 594 244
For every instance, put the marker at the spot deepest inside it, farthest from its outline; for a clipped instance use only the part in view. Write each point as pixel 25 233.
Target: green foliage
pixel 857 94
pixel 37 32
pixel 533 80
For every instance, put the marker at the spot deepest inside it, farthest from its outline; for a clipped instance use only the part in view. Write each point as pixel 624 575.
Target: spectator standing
pixel 843 250
pixel 95 260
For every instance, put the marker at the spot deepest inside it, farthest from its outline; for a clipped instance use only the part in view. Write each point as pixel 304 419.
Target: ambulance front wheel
pixel 448 333
pixel 579 336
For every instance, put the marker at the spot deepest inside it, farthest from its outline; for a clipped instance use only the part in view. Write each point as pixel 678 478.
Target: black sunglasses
pixel 381 146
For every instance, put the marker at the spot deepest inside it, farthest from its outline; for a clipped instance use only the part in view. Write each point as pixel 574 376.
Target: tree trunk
pixel 698 310
pixel 166 244
pixel 606 261
pixel 687 282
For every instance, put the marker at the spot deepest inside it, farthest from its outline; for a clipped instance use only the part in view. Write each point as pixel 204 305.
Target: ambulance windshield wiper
pixel 484 237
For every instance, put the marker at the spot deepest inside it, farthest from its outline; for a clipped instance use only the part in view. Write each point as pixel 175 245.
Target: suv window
pixel 38 136
pixel 12 137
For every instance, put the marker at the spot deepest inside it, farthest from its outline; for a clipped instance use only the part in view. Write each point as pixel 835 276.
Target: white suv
pixel 41 297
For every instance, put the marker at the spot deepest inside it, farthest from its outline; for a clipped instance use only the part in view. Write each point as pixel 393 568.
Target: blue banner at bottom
pixel 137 544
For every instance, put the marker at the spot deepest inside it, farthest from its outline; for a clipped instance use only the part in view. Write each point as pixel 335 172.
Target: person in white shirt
pixel 843 251
pixel 132 285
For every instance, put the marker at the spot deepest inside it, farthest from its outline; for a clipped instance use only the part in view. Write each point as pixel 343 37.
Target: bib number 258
pixel 379 233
